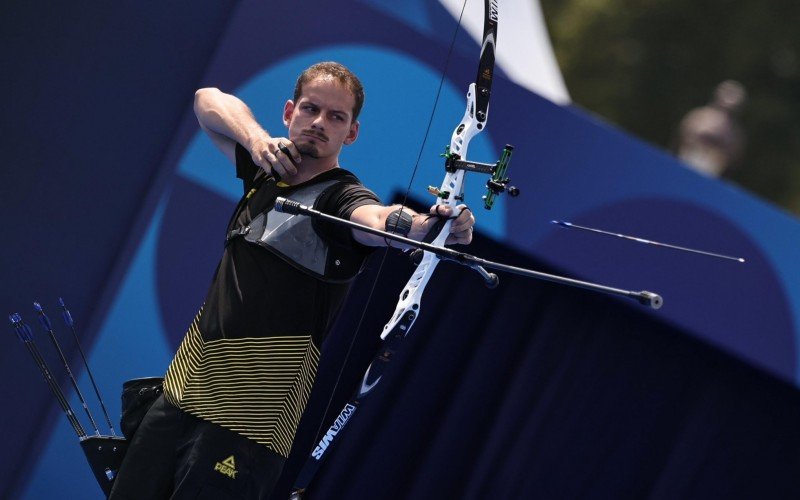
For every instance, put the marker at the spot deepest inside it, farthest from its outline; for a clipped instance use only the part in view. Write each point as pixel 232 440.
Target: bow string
pixel 450 193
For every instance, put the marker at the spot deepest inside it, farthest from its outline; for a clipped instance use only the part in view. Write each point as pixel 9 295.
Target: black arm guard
pixel 399 222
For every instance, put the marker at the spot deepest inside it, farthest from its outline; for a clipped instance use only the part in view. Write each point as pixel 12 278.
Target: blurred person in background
pixel 710 138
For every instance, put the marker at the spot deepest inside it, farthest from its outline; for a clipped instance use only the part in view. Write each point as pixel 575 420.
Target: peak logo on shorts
pixel 227 467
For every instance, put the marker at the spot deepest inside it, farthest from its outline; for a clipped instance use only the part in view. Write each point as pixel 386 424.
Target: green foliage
pixel 643 64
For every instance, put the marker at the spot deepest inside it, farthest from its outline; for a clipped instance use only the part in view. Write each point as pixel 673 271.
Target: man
pixel 711 138
pixel 234 393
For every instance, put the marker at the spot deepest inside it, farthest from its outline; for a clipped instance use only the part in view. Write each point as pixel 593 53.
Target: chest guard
pixel 294 239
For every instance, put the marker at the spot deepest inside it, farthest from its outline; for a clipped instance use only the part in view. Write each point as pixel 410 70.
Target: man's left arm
pixel 375 216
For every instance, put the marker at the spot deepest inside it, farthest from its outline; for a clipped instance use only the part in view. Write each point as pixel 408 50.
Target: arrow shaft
pixel 648 242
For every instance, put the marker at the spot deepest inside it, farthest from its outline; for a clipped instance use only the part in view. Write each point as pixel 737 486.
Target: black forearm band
pixel 399 222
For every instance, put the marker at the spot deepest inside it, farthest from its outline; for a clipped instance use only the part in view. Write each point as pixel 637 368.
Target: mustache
pixel 314 133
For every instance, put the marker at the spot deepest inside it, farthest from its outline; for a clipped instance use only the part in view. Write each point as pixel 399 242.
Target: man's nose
pixel 319 122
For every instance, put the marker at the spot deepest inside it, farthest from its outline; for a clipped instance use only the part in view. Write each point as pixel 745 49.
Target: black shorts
pixel 175 455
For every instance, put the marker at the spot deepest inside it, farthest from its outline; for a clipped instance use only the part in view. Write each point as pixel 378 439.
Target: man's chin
pixel 307 149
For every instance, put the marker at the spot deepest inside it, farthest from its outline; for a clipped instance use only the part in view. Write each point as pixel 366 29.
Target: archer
pixel 238 385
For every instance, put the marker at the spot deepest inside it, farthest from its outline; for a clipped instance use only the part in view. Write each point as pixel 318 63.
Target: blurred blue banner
pixel 138 203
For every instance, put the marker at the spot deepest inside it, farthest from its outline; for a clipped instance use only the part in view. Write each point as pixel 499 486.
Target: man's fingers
pixel 464 221
pixel 463 234
pixel 447 211
pixel 276 167
pixel 462 238
pixel 283 163
pixel 291 152
pixel 441 210
pixel 277 155
pixel 271 164
pixel 261 158
pixel 460 227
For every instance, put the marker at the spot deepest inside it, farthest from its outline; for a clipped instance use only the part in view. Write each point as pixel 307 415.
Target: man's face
pixel 321 121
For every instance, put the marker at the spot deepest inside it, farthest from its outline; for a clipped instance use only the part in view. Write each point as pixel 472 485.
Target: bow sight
pixel 494 186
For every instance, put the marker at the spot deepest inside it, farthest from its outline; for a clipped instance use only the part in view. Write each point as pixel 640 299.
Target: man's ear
pixel 352 135
pixel 288 109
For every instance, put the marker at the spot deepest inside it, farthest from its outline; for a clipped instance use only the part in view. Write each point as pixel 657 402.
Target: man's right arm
pixel 227 120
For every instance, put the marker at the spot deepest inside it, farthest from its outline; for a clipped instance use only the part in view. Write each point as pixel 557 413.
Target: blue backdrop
pixel 114 200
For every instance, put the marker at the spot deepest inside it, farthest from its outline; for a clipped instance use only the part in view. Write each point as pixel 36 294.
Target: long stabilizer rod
pixel 650 299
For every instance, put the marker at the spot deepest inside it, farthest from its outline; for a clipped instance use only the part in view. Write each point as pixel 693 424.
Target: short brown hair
pixel 341 74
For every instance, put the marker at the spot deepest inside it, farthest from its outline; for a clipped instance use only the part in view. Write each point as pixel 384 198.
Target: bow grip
pixel 432 234
pixel 434 231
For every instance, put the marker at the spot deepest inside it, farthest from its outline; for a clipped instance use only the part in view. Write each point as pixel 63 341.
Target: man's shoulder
pixel 346 193
pixel 338 174
pixel 343 183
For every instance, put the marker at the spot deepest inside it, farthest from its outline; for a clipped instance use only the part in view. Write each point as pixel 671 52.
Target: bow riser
pixel 468 128
pixel 411 296
pixel 453 183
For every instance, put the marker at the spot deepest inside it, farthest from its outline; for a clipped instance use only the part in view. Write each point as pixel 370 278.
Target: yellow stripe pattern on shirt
pixel 257 387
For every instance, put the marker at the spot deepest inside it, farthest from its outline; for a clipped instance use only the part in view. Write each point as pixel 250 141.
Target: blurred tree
pixel 643 64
